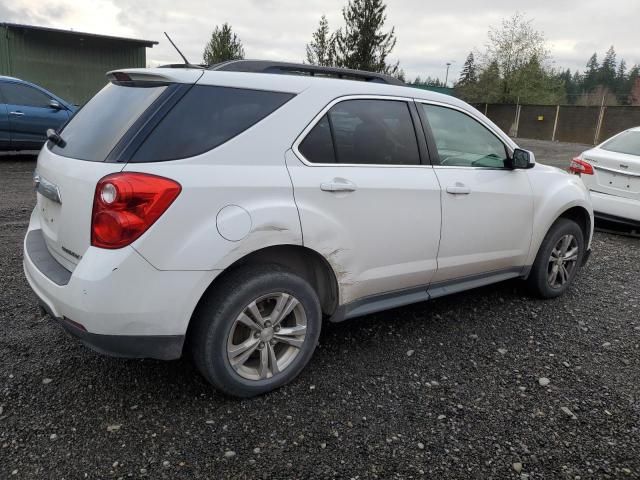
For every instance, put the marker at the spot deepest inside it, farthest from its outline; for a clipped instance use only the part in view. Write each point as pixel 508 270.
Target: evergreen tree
pixel 469 74
pixel 363 44
pixel 591 74
pixel 224 45
pixel 621 77
pixel 321 49
pixel 607 72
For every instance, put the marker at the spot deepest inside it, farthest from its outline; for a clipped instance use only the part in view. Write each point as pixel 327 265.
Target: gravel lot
pixel 445 389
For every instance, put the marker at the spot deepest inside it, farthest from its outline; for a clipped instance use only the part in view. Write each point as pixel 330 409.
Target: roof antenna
pixel 186 62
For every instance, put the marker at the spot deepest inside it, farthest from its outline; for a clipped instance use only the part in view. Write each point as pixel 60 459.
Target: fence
pixel 562 123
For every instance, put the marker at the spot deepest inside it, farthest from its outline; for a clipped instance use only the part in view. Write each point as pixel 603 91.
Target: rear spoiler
pixel 143 75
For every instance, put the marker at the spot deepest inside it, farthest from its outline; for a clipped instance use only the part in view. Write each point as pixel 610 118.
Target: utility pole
pixel 446 78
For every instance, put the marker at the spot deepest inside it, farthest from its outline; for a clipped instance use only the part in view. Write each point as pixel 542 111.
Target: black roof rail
pixel 266 66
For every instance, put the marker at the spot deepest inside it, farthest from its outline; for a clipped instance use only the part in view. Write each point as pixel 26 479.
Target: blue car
pixel 26 112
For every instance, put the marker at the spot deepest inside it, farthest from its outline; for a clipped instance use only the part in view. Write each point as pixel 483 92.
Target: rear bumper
pixel 618 209
pixel 115 302
pixel 161 347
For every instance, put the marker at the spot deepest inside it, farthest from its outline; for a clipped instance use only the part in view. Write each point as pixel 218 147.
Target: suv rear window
pixel 205 118
pixel 96 128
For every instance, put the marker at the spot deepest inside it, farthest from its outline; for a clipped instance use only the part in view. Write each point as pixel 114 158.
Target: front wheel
pixel 256 330
pixel 558 260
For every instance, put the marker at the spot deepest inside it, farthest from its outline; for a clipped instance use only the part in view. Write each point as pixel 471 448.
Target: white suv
pixel 226 212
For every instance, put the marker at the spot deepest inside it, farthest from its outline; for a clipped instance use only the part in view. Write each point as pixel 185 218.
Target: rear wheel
pixel 558 260
pixel 255 331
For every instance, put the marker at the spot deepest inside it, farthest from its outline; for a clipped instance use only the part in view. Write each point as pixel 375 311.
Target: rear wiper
pixel 55 138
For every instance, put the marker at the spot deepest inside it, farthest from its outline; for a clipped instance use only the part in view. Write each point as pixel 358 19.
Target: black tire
pixel 216 315
pixel 538 281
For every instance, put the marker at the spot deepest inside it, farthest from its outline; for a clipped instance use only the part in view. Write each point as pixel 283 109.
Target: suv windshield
pixel 627 142
pixel 96 128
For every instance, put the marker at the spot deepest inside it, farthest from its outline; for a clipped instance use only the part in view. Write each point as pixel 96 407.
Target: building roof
pixel 146 43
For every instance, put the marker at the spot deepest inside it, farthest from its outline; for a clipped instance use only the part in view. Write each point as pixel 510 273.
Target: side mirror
pixel 522 159
pixel 55 105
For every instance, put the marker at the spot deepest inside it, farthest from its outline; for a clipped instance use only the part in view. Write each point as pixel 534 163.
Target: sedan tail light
pixel 580 167
pixel 126 204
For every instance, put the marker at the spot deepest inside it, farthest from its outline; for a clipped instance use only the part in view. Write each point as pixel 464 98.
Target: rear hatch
pixel 616 166
pixel 94 141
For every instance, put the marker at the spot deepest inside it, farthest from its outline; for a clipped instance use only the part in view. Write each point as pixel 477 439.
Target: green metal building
pixel 70 64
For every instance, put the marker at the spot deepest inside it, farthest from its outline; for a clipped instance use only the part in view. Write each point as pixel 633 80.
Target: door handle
pixel 19 114
pixel 458 189
pixel 338 185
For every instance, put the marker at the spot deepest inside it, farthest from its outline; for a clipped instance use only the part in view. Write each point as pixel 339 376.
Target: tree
pixel 321 50
pixel 591 74
pixel 469 74
pixel 621 77
pixel 224 45
pixel 362 44
pixel 512 46
pixel 607 71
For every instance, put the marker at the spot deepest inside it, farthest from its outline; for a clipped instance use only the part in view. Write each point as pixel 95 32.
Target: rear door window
pixel 205 118
pixel 96 128
pixel 364 132
pixel 18 94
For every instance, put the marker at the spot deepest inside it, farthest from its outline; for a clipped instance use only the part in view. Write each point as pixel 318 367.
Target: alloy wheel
pixel 563 261
pixel 267 336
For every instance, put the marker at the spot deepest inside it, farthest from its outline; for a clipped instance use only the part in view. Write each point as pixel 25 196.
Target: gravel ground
pixel 452 388
pixel 557 154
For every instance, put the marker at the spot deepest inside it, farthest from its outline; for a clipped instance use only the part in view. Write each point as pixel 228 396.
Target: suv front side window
pixel 462 141
pixel 17 94
pixel 364 131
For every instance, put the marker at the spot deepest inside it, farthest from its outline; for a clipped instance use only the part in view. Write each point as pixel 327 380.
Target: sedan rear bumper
pixel 614 208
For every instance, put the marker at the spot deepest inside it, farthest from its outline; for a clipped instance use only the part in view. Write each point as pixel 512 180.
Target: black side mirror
pixel 55 105
pixel 522 159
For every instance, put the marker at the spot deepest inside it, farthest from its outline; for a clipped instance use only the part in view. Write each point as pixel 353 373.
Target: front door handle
pixel 338 185
pixel 19 114
pixel 458 189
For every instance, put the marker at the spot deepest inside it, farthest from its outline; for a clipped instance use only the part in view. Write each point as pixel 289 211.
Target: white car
pixel 611 171
pixel 228 212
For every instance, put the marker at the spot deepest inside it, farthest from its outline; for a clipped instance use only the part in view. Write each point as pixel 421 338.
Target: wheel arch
pixel 581 216
pixel 307 263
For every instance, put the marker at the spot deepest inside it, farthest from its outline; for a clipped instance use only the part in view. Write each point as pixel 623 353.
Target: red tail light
pixel 126 204
pixel 580 167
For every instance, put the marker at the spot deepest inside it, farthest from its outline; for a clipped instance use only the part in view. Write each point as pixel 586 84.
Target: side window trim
pixel 431 141
pixel 410 102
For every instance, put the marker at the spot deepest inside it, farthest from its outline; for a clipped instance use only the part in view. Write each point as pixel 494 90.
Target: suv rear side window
pixel 96 128
pixel 205 118
pixel 17 94
pixel 374 132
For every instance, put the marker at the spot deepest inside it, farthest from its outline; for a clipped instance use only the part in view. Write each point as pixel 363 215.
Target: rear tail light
pixel 126 204
pixel 580 167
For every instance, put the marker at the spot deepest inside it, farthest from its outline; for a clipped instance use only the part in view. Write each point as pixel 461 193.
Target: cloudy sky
pixel 430 33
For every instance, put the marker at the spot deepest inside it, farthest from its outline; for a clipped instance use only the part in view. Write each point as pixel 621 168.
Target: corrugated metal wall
pixel 70 66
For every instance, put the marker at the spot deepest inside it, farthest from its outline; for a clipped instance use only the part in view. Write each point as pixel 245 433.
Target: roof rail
pixel 266 66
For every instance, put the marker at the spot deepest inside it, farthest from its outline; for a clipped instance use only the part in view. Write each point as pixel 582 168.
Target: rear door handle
pixel 458 189
pixel 338 185
pixel 19 114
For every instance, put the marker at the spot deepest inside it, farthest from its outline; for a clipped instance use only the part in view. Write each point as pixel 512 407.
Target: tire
pixel 540 278
pixel 237 313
